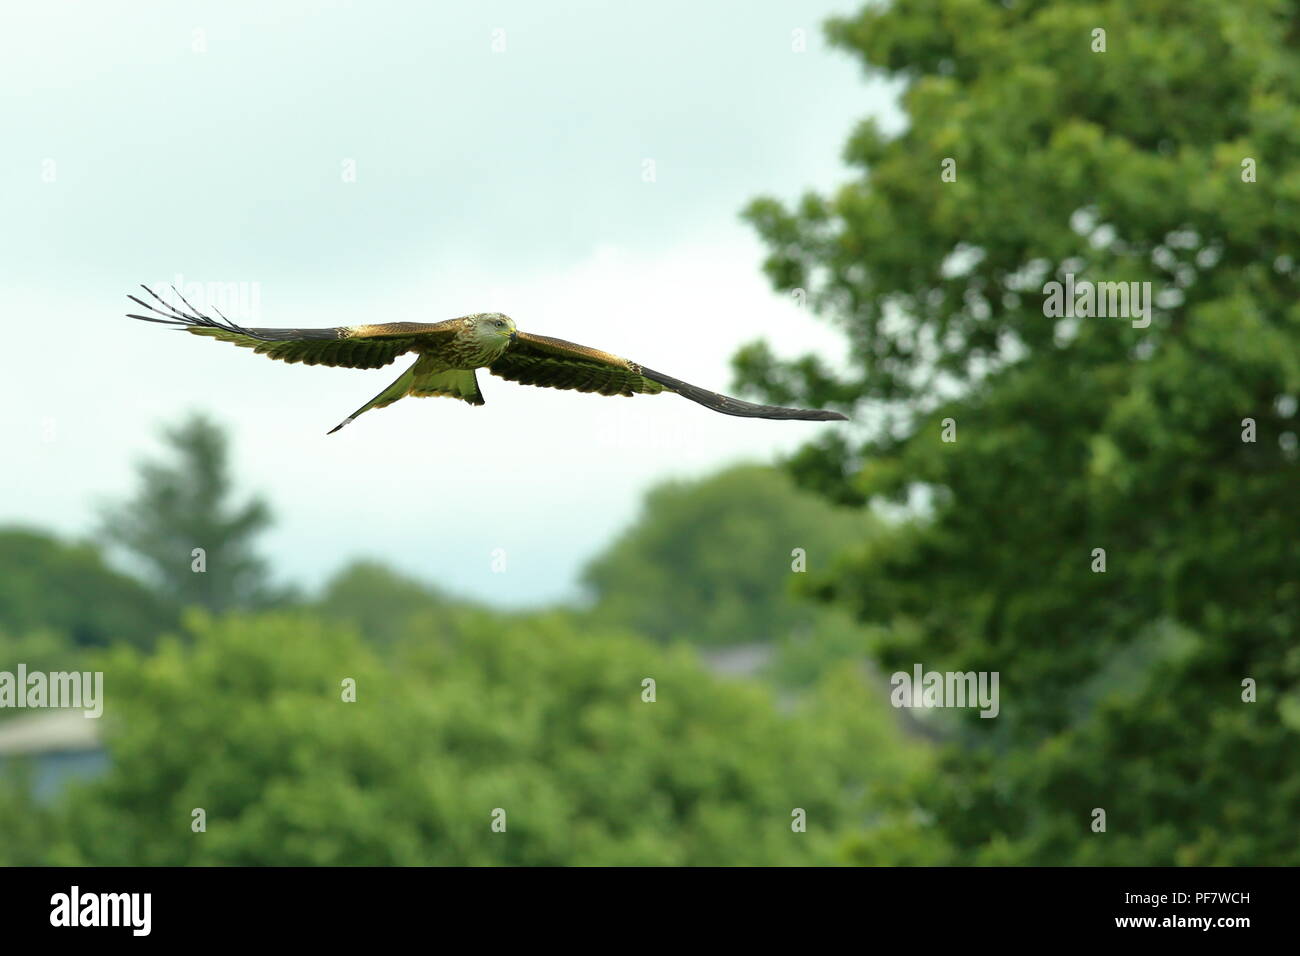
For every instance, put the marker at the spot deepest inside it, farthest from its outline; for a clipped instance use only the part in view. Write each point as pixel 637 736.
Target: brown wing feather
pixel 364 346
pixel 735 406
pixel 555 363
pixel 304 346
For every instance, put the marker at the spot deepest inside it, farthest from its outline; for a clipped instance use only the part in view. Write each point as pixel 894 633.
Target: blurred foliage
pixel 246 721
pixel 711 562
pixel 460 711
pixel 28 828
pixel 382 603
pixel 1121 690
pixel 68 589
pixel 833 637
pixel 183 505
pixel 40 650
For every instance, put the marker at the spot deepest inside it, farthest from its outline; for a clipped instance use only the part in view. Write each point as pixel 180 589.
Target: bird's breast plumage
pixel 467 349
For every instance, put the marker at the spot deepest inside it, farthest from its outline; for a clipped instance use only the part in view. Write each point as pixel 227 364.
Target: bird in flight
pixel 449 353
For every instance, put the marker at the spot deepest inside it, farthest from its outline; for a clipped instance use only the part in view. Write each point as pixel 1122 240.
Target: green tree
pixel 48 585
pixel 1168 157
pixel 533 716
pixel 196 544
pixel 382 603
pixel 31 828
pixel 714 561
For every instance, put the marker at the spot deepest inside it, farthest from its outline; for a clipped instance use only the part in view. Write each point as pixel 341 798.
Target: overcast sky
pixel 500 154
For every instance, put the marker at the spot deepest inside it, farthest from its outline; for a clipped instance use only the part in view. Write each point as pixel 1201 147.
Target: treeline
pixel 382 721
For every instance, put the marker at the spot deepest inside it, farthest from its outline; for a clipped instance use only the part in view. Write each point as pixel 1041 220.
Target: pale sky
pixel 150 140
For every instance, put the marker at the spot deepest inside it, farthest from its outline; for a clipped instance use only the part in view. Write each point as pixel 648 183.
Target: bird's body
pixel 449 354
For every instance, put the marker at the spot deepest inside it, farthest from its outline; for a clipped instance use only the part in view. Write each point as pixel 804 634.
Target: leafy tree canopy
pixel 541 720
pixel 382 603
pixel 46 584
pixel 1170 156
pixel 713 561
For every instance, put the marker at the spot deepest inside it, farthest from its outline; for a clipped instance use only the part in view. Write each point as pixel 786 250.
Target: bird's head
pixel 493 329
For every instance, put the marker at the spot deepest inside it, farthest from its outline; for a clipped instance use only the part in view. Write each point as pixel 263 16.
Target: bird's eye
pixel 500 324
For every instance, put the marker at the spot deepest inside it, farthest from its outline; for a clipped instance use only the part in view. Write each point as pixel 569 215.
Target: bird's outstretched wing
pixel 362 346
pixel 555 363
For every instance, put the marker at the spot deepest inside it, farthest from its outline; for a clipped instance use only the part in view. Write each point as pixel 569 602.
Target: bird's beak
pixel 514 336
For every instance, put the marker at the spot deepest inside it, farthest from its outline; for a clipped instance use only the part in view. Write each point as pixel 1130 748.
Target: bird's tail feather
pixel 392 393
pixel 453 383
